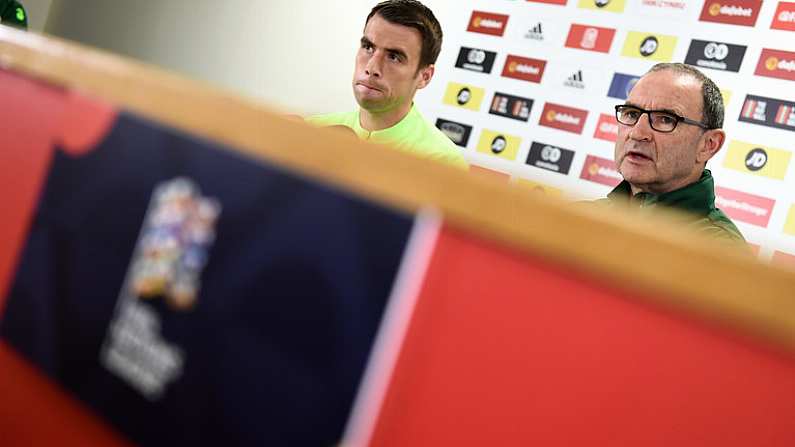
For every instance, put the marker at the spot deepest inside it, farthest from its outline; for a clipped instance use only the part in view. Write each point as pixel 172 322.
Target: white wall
pixel 297 55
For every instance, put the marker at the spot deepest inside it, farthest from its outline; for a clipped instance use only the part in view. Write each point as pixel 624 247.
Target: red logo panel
pixel 776 64
pixel 606 128
pixel 487 23
pixel 563 118
pixel 591 38
pixel 733 12
pixel 524 68
pixel 748 208
pixel 784 18
pixel 600 170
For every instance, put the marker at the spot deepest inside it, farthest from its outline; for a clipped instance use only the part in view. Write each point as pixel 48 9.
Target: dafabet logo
pixel 733 12
pixel 600 170
pixel 487 23
pixel 564 118
pixel 776 64
pixel 524 68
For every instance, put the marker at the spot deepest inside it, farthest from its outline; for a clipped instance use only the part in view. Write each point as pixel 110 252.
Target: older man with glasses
pixel 669 127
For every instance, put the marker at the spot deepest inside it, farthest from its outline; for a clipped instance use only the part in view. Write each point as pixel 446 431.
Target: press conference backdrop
pixel 527 89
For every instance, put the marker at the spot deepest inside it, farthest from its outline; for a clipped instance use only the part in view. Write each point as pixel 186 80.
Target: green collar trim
pixel 698 197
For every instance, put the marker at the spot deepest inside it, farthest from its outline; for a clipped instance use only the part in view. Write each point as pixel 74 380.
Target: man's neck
pixel 372 121
pixel 659 189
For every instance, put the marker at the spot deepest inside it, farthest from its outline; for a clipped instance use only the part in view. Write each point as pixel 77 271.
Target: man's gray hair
pixel 712 114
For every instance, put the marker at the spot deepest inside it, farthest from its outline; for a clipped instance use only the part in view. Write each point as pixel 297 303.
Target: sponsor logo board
pixel 744 207
pixel 656 47
pixel 733 12
pixel 524 68
pixel 510 106
pixel 487 23
pixel 464 96
pixel 784 18
pixel 457 132
pixel 606 128
pixel 600 170
pixel 475 59
pixel 603 5
pixel 562 117
pixel 758 160
pixel 499 144
pixel 621 84
pixel 769 112
pixel 591 38
pixel 549 157
pixel 715 55
pixel 776 64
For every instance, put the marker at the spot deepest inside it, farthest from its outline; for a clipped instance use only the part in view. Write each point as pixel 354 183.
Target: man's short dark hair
pixel 413 14
pixel 712 114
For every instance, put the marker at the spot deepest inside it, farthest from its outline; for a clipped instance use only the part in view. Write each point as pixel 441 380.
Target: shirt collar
pixel 698 197
pixel 390 133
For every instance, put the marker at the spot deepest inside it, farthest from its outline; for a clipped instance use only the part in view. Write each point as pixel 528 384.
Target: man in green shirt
pixel 669 127
pixel 396 57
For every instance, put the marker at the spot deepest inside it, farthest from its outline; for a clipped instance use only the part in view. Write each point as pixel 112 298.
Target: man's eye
pixel 632 114
pixel 394 57
pixel 666 119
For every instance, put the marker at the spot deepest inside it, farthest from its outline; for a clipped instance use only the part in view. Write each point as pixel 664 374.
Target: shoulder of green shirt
pixel 331 119
pixel 432 143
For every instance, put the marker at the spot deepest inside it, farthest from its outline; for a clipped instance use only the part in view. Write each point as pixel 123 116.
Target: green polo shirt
pixel 412 134
pixel 696 199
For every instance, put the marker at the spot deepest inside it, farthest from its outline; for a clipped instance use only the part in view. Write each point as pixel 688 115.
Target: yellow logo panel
pixel 499 144
pixel 655 47
pixel 727 96
pixel 603 5
pixel 538 188
pixel 789 225
pixel 465 96
pixel 757 160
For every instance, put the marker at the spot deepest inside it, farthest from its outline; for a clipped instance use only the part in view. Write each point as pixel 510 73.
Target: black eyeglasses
pixel 661 121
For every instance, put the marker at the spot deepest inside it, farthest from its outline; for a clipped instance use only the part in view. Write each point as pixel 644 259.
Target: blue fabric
pixel 291 297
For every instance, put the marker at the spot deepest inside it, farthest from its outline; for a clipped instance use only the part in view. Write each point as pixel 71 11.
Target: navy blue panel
pixel 291 297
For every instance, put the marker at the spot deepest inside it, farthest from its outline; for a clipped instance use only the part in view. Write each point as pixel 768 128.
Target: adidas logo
pixel 535 33
pixel 575 80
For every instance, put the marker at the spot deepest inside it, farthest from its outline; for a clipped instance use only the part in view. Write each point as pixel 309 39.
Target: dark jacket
pixel 696 199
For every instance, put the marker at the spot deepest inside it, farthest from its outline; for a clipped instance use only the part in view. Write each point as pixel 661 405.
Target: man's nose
pixel 642 130
pixel 374 65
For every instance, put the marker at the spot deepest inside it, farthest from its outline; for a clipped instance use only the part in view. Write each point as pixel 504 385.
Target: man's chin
pixel 371 105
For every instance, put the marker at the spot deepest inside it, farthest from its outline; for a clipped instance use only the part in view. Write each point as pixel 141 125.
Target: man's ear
pixel 425 75
pixel 712 142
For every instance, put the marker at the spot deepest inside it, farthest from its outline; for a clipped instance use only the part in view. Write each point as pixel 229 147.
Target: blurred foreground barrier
pixel 179 265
